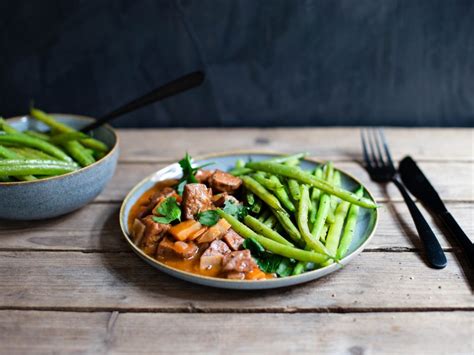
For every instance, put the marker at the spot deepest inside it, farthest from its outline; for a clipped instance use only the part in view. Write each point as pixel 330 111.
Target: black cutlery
pixel 381 169
pixel 420 187
pixel 172 88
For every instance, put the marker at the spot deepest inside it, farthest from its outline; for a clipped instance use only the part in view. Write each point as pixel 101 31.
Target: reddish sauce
pixel 189 265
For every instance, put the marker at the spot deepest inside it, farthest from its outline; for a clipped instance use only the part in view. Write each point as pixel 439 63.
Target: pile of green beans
pixel 31 155
pixel 302 215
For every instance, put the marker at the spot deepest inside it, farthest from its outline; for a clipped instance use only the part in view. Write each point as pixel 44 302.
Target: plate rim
pixel 226 283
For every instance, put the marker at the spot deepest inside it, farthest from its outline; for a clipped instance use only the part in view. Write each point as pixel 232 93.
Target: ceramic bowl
pixel 364 231
pixel 58 195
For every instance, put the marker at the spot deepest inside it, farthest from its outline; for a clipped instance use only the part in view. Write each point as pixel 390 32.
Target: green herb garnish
pixel 188 173
pixel 208 218
pixel 268 262
pixel 169 211
pixel 235 209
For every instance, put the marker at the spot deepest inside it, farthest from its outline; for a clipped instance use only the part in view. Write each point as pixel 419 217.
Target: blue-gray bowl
pixel 58 195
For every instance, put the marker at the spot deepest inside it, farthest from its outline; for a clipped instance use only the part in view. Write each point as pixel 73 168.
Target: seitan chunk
pixel 239 261
pixel 224 182
pixel 154 231
pixel 212 256
pixel 233 240
pixel 196 198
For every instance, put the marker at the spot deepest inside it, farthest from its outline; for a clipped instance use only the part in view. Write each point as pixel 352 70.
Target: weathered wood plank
pixel 96 281
pixel 128 333
pixel 328 143
pixel 95 228
pixel 452 180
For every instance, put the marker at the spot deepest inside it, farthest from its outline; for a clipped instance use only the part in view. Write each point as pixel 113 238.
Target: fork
pixel 382 170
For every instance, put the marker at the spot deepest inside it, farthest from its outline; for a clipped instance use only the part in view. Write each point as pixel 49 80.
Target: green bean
pixel 50 121
pixel 306 178
pixel 335 229
pixel 39 135
pixel 63 128
pixel 78 152
pixel 31 153
pixel 240 163
pixel 282 195
pixel 240 171
pixel 22 167
pixel 8 153
pixel 329 176
pixel 267 183
pixel 261 228
pixel 315 193
pixel 328 171
pixel 66 137
pixel 261 192
pixel 283 159
pixel 94 144
pixel 271 221
pixel 324 233
pixel 321 215
pixel 7 128
pixel 5 179
pixel 271 245
pixel 314 211
pixel 349 227
pixel 285 221
pixel 302 219
pixel 294 188
pixel 24 140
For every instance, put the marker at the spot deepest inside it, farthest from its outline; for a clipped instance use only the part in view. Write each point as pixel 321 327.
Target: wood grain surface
pixel 71 284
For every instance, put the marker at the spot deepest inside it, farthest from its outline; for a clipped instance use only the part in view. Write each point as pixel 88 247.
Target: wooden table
pixel 72 284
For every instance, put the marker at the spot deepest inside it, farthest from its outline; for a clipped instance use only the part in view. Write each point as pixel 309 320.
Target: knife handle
pixel 466 245
pixel 434 252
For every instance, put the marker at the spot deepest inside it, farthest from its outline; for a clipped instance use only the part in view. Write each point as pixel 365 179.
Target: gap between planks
pixel 192 309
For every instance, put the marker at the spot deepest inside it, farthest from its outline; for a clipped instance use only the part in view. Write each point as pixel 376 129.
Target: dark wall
pixel 338 62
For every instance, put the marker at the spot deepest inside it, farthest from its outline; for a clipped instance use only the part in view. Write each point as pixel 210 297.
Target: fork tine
pixel 372 149
pixel 385 146
pixel 377 145
pixel 364 150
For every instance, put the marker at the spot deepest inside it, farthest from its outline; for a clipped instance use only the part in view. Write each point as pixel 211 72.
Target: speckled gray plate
pixel 58 195
pixel 365 228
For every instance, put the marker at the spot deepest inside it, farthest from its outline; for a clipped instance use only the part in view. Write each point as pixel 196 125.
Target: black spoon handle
pixel 174 87
pixel 434 252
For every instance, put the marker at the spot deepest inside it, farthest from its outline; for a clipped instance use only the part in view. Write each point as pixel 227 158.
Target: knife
pixel 417 183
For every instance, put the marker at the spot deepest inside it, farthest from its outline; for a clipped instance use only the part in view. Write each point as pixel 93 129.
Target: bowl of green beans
pixel 49 168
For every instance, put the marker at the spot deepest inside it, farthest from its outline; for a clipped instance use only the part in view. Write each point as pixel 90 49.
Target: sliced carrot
pixel 184 230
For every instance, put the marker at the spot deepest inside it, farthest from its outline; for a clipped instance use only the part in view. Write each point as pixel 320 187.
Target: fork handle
pixel 434 252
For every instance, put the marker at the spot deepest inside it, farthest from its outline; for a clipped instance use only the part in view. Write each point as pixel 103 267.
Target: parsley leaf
pixel 169 211
pixel 235 209
pixel 268 262
pixel 188 173
pixel 188 170
pixel 208 218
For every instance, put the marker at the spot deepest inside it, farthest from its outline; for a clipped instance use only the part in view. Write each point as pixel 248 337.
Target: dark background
pixel 333 62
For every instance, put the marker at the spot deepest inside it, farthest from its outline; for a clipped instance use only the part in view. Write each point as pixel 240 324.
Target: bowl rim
pixel 303 276
pixel 57 177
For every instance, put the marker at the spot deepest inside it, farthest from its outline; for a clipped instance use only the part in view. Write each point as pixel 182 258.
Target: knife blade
pixel 419 185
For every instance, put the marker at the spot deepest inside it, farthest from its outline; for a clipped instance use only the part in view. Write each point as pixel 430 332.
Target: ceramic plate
pixel 365 228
